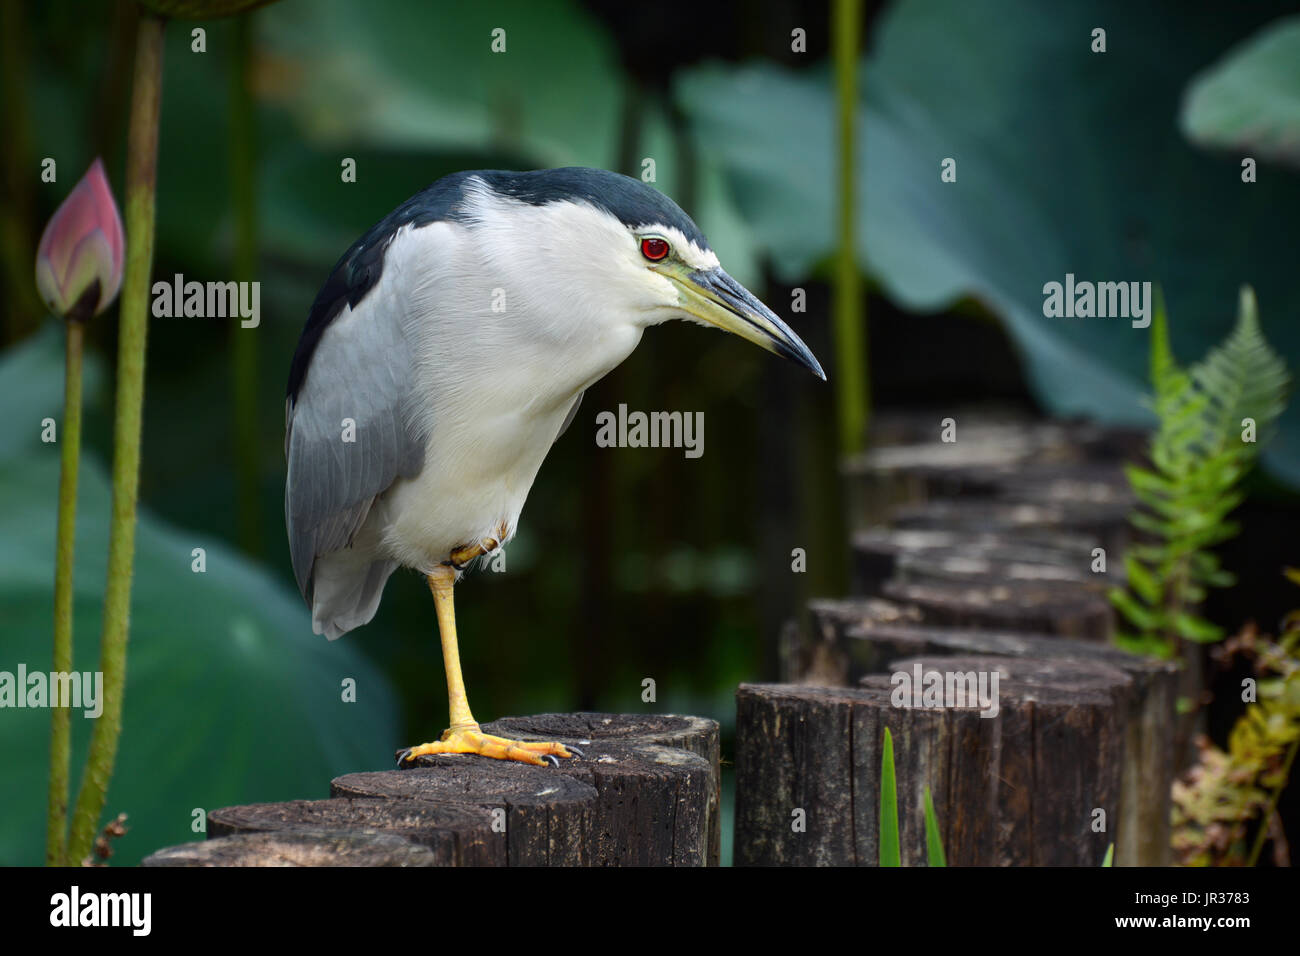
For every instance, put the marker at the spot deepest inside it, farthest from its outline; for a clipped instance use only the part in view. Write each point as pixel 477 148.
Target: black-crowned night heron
pixel 447 351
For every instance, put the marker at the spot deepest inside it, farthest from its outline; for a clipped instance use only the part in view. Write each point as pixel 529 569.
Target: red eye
pixel 654 249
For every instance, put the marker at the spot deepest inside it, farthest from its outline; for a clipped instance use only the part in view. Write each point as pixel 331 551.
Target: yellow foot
pixel 474 741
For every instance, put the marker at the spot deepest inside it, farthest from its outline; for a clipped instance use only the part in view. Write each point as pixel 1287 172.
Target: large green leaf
pixel 427 75
pixel 230 698
pixel 1249 101
pixel 1068 161
pixel 422 79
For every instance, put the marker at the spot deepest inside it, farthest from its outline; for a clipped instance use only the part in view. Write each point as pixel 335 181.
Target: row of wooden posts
pixel 978 557
pixel 990 553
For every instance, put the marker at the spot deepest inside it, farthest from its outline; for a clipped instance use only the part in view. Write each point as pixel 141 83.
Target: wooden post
pixel 695 735
pixel 699 735
pixel 322 848
pixel 1004 515
pixel 645 792
pixel 821 653
pixel 932 556
pixel 541 818
pixel 457 836
pixel 858 637
pixel 1142 833
pixel 980 539
pixel 1025 787
pixel 1039 607
pixel 996 454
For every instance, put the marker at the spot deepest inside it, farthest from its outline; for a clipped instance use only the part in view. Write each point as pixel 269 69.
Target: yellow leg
pixel 464 735
pixel 442 582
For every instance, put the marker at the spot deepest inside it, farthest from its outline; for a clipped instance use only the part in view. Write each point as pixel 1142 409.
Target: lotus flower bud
pixel 80 260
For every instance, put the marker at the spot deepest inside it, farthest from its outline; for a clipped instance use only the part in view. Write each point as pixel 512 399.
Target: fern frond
pixel 1199 457
pixel 1242 378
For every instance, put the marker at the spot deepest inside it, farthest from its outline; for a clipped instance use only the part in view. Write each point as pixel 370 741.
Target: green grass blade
pixel 1110 856
pixel 933 841
pixel 890 854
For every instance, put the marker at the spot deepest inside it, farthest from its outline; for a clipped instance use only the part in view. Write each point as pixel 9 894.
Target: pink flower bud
pixel 79 262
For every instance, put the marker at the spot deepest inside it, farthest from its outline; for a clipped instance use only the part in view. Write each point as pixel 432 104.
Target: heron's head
pixel 605 244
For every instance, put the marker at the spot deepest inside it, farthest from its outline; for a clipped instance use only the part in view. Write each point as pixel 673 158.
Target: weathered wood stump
pixel 644 792
pixel 1024 519
pixel 318 848
pixel 1101 484
pixel 985 451
pixel 985 545
pixel 457 836
pixel 821 654
pixel 541 818
pixel 1041 607
pixel 857 637
pixel 631 799
pixel 863 637
pixel 695 735
pixel 928 556
pixel 699 735
pixel 994 451
pixel 1024 787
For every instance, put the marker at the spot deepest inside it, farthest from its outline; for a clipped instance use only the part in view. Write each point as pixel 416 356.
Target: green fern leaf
pixel 1196 629
pixel 1198 455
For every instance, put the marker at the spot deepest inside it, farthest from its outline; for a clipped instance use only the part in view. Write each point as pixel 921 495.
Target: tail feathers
pixel 346 588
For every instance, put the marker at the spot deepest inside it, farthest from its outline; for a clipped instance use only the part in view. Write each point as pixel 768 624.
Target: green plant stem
pixel 141 174
pixel 850 320
pixel 243 195
pixel 1271 809
pixel 66 537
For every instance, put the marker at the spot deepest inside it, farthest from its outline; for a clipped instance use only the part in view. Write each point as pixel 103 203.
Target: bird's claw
pixel 474 741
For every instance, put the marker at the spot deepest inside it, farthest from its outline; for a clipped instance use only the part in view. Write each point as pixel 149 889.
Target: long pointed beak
pixel 714 297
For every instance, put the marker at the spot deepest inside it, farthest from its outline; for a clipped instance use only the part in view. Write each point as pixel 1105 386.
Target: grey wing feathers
pixel 359 373
pixel 568 419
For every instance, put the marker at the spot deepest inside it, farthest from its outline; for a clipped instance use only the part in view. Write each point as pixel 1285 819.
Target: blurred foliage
pixel 1227 792
pixel 230 698
pixel 1061 168
pixel 1249 101
pixel 1199 456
